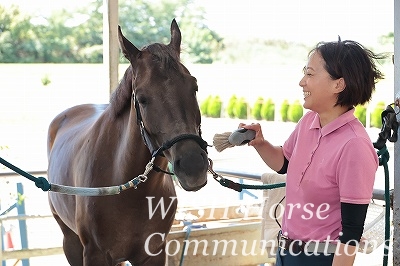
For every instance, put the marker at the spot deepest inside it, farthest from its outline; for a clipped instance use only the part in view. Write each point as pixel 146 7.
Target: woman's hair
pixel 355 64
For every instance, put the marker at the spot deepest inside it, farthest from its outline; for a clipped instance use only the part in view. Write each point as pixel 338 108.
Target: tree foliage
pixel 148 22
pixel 77 36
pixel 17 38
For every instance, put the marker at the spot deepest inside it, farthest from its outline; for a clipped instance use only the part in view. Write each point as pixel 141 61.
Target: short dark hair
pixel 355 64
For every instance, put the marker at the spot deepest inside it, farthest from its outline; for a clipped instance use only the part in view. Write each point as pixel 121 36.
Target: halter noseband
pixel 169 143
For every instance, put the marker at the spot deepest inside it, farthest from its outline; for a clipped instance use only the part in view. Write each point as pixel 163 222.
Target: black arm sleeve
pixel 353 218
pixel 284 167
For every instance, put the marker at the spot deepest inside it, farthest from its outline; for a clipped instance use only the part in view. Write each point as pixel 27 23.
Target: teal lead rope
pixel 384 156
pixel 239 187
pixel 40 182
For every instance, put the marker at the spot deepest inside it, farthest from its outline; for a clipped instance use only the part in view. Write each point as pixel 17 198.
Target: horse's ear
pixel 175 37
pixel 128 49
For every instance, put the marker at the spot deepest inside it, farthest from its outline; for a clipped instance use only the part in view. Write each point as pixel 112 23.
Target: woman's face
pixel 319 89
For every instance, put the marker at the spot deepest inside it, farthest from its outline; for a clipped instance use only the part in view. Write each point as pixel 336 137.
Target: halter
pixel 169 143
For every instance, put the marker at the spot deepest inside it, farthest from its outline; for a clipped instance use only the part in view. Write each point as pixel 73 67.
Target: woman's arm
pixel 353 219
pixel 271 155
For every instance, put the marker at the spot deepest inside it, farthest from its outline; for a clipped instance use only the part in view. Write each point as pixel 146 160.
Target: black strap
pixel 168 144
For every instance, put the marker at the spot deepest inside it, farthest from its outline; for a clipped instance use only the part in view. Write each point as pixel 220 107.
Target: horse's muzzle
pixel 191 170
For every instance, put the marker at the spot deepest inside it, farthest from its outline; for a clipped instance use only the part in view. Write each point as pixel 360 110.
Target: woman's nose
pixel 302 82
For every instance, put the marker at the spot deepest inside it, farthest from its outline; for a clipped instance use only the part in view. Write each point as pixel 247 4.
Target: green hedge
pixel 256 110
pixel 284 110
pixel 361 113
pixel 295 111
pixel 214 107
pixel 268 110
pixel 231 106
pixel 265 110
pixel 211 106
pixel 240 109
pixel 204 105
pixel 376 115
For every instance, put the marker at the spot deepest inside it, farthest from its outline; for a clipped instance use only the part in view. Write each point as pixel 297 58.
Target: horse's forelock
pixel 165 54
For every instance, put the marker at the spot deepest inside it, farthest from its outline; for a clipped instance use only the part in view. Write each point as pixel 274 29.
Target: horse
pixel 153 116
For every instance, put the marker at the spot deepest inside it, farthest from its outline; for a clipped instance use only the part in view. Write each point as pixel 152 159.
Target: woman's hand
pixel 259 138
pixel 271 155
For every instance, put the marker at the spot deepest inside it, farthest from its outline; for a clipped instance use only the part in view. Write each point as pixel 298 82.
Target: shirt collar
pixel 335 124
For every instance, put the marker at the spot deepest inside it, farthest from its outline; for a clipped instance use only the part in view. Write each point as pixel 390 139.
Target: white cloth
pixel 269 227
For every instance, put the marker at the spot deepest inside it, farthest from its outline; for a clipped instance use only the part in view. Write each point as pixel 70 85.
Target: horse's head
pixel 165 105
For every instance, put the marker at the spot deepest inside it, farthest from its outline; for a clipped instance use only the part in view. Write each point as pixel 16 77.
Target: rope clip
pixel 215 175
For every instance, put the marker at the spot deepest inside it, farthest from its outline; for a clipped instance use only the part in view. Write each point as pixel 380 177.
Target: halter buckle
pixel 142 178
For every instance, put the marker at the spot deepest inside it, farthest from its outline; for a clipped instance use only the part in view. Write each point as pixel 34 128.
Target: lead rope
pixel 389 131
pixel 44 184
pixel 384 156
pixel 237 186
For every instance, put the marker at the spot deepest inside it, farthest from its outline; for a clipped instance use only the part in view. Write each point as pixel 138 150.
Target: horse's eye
pixel 142 100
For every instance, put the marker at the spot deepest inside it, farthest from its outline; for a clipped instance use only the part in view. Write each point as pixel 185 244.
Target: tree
pixel 89 33
pixel 56 40
pixel 17 38
pixel 388 38
pixel 77 36
pixel 150 22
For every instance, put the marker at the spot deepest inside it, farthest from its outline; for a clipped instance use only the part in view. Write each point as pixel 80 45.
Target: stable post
pixel 22 223
pixel 3 263
pixel 110 43
pixel 396 202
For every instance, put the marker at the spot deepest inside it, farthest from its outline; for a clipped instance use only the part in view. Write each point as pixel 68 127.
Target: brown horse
pixel 152 115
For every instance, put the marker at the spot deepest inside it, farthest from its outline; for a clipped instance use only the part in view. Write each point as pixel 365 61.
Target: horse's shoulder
pixel 77 117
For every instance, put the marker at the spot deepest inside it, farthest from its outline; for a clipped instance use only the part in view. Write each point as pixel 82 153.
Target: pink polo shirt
pixel 329 165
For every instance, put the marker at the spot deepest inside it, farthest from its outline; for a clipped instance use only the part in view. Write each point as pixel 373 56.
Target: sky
pixel 306 21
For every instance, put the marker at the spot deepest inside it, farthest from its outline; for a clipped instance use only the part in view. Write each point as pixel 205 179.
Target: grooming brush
pixel 238 137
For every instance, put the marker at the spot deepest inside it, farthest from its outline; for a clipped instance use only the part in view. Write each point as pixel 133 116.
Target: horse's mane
pixel 161 53
pixel 120 98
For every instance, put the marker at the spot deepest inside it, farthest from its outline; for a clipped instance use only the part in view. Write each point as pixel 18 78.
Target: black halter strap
pixel 168 144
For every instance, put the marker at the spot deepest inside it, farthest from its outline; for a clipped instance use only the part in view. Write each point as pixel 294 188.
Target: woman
pixel 329 158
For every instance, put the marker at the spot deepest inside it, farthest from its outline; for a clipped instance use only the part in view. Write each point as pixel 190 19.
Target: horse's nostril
pixel 191 164
pixel 177 164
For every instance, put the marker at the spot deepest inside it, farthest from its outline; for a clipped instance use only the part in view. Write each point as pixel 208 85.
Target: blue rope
pixel 40 182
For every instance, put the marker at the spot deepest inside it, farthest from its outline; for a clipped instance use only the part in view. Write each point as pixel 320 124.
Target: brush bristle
pixel 221 142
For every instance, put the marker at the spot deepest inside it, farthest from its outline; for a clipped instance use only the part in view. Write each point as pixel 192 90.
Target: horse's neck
pixel 132 152
pixel 134 156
